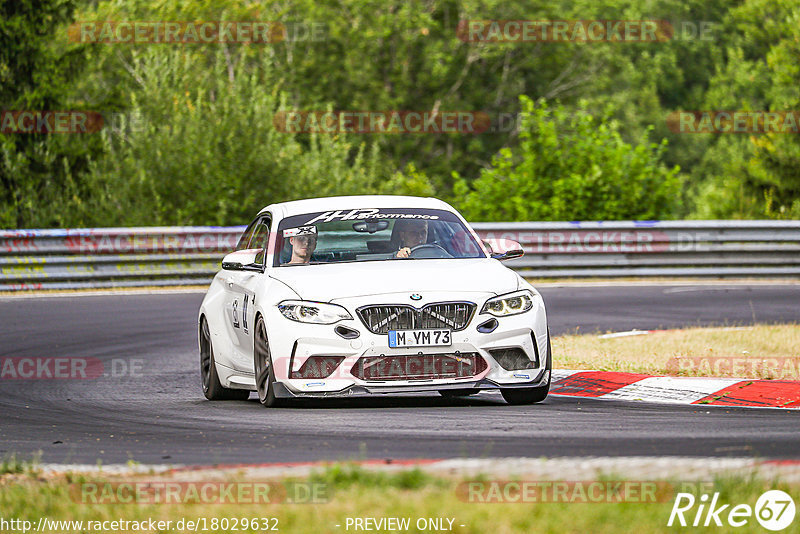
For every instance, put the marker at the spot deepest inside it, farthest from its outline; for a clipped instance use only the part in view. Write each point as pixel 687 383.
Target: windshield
pixel 387 234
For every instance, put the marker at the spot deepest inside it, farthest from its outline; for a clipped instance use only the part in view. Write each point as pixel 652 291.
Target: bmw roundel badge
pixel 416 296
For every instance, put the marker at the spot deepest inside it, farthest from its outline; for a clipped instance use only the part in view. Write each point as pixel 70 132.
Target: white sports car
pixel 347 296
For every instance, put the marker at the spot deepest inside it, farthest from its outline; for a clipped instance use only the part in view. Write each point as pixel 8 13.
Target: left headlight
pixel 510 304
pixel 304 311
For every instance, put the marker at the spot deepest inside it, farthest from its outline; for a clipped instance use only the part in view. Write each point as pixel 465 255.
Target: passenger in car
pixel 303 247
pixel 409 233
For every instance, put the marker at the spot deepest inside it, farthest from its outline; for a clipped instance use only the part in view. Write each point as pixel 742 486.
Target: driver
pixel 411 233
pixel 302 248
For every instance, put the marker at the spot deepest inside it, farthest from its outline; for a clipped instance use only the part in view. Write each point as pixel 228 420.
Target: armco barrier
pixel 112 257
pixel 653 248
pixel 130 257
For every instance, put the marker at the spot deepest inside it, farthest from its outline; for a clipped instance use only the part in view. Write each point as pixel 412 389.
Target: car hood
pixel 325 283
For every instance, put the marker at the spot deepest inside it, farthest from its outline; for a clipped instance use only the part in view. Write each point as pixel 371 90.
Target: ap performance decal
pixel 367 213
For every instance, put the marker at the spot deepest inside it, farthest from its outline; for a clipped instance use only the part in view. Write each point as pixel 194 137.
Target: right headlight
pixel 313 312
pixel 510 304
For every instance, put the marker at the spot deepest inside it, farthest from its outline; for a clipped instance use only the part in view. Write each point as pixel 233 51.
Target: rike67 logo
pixel 774 510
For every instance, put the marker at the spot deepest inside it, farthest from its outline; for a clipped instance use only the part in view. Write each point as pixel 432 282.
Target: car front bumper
pixel 292 343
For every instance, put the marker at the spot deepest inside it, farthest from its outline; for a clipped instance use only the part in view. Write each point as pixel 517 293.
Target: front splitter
pixel 358 390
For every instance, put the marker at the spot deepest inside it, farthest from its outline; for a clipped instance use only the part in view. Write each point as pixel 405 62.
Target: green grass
pixel 359 492
pixel 761 351
pixel 10 464
pixel 344 476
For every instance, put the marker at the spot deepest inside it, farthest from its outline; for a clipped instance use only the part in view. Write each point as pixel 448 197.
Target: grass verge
pixel 353 492
pixel 764 351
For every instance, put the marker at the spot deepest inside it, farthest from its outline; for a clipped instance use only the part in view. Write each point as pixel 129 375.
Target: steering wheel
pixel 429 250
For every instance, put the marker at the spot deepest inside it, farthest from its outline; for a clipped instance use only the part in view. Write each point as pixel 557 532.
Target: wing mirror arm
pixel 232 266
pixel 503 249
pixel 509 255
pixel 242 260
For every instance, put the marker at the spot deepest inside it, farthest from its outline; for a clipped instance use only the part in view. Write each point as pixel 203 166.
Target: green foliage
pixel 37 171
pixel 570 165
pixel 193 140
pixel 408 182
pixel 755 176
pixel 203 148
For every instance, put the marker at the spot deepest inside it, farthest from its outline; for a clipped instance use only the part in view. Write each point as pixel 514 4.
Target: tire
pixel 212 388
pixel 262 364
pixel 455 393
pixel 521 396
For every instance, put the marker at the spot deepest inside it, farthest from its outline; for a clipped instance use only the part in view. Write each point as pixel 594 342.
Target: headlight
pixel 511 304
pixel 312 312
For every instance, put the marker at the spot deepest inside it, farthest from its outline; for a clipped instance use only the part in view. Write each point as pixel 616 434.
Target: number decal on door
pixel 244 313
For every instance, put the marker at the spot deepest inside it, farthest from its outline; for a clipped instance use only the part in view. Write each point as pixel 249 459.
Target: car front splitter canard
pixel 357 390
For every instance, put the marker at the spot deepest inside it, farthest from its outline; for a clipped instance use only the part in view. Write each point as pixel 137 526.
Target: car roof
pixel 311 205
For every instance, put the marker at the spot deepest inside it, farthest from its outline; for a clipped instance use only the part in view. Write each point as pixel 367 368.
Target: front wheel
pixel 519 396
pixel 212 388
pixel 265 374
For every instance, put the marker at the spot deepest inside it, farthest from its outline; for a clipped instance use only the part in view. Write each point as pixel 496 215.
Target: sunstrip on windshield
pixel 300 230
pixel 367 213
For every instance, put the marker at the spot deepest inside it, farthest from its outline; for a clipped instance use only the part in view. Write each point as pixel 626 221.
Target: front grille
pixel 419 366
pixel 379 319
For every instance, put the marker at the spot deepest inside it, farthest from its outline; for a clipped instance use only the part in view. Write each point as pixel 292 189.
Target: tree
pixel 37 170
pixel 205 149
pixel 755 176
pixel 570 166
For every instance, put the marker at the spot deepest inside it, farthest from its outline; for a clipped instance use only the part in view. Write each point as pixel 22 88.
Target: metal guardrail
pixel 160 256
pixel 653 248
pixel 112 257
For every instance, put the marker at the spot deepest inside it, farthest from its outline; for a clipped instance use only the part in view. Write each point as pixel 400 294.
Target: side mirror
pixel 503 249
pixel 243 260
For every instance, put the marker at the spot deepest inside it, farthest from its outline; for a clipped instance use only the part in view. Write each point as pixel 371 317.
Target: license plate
pixel 419 338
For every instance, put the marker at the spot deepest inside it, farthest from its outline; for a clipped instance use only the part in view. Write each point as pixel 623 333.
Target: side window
pixel 260 239
pixel 248 233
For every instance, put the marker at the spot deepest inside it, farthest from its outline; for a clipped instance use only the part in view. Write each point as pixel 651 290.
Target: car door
pixel 240 299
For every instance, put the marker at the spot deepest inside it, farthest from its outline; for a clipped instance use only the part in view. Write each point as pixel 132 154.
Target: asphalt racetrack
pixel 158 414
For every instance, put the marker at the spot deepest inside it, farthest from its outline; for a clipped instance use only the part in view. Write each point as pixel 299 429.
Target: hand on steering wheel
pixel 434 248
